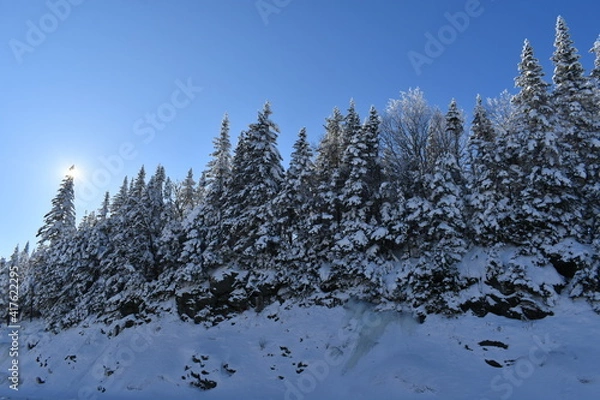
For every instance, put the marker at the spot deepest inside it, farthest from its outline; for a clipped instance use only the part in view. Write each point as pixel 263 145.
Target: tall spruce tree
pixel 59 223
pixel 436 277
pixel 483 197
pixel 257 175
pixel 542 210
pixel 294 201
pixel 360 197
pixel 575 103
pixel 572 94
pixel 53 263
pixel 595 74
pixel 455 128
pixel 291 218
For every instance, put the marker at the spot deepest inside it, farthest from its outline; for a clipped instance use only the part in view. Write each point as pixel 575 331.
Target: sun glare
pixel 72 172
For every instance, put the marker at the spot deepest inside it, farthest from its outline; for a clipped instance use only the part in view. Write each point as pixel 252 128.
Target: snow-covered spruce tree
pixel 291 217
pixel 543 208
pixel 435 278
pixel 330 194
pixel 185 195
pixel 256 178
pixel 210 212
pixel 323 220
pixel 293 203
pixel 331 147
pixel 510 146
pixel 75 297
pixel 576 104
pixel 595 74
pixel 586 281
pixel 357 243
pixel 360 192
pixel 573 91
pixel 454 129
pixel 83 294
pixel 158 212
pixel 139 221
pixel 219 168
pixel 94 245
pixel 351 129
pixel 55 237
pixel 125 267
pixel 60 221
pixel 170 240
pixel 483 200
pixel 446 229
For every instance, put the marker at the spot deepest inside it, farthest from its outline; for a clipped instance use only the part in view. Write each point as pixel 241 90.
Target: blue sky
pixel 112 85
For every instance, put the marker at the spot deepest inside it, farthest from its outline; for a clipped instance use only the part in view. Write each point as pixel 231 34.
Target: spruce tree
pixel 291 221
pixel 53 264
pixel 204 232
pixel 483 197
pixel 360 195
pixel 256 178
pixel 572 94
pixel 293 203
pixel 187 198
pixel 576 103
pixel 435 278
pixel 454 129
pixel 595 74
pixel 219 168
pixel 328 162
pixel 542 210
pixel 59 223
pixel 120 199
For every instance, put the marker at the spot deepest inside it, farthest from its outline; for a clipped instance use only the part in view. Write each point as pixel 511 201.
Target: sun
pixel 73 172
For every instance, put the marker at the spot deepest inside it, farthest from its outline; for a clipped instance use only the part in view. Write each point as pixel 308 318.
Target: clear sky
pixel 112 85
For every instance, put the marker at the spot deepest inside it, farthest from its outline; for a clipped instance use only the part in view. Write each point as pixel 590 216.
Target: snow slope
pixel 290 352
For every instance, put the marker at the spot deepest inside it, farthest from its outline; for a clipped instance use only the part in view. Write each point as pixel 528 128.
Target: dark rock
pixel 513 307
pixel 229 370
pixel 566 268
pixel 224 285
pixel 494 363
pixel 204 384
pixel 493 343
pixel 190 303
pixel 129 307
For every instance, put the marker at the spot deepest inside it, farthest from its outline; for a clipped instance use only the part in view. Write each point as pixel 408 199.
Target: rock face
pixel 225 294
pixel 513 307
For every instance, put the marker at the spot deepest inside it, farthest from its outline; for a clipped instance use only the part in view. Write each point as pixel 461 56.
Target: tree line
pixel 410 187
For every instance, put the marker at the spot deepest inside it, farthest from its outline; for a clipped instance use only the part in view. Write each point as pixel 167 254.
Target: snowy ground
pixel 316 353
